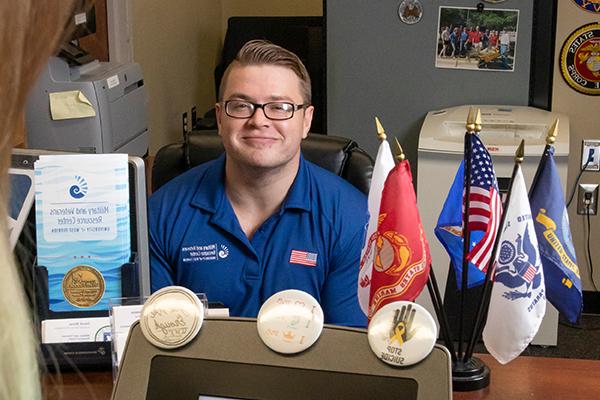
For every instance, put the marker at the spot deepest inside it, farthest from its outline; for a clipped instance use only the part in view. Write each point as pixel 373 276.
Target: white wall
pixel 584 116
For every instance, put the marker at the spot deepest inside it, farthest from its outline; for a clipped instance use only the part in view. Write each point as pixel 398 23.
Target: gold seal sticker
pixel 83 286
pixel 580 59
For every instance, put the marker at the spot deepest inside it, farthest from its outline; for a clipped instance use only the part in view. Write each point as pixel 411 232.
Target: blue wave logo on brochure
pixel 80 189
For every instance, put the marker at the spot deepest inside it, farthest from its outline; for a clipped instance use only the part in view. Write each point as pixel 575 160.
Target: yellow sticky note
pixel 69 105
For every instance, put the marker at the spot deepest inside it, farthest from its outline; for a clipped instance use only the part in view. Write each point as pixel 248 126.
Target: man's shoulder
pixel 332 188
pixel 183 185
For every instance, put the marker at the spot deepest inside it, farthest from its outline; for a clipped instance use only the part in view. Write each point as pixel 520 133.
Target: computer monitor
pixel 21 199
pixel 135 276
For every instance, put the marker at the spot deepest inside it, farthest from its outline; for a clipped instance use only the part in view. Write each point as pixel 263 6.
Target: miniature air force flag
pixel 518 300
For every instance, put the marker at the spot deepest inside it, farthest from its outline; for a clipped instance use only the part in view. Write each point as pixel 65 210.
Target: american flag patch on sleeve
pixel 303 258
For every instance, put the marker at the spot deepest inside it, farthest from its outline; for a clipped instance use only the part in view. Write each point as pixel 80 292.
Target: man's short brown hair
pixel 263 52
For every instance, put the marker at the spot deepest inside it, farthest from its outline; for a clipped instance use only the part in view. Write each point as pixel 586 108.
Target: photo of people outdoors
pixel 481 40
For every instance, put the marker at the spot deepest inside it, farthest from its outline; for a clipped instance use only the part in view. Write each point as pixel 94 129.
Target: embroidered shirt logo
pixel 224 251
pixel 303 258
pixel 204 252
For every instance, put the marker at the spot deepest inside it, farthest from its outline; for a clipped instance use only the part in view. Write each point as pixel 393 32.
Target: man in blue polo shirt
pixel 261 219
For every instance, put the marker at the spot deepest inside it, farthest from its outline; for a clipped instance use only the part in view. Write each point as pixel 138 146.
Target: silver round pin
pixel 171 317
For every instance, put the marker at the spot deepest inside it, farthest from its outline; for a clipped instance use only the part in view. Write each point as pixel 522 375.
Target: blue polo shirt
pixel 312 243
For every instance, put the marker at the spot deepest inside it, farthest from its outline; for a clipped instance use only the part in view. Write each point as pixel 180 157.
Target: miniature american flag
pixel 485 204
pixel 303 258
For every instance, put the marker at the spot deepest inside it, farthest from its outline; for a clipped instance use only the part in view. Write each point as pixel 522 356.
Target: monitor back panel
pixel 227 359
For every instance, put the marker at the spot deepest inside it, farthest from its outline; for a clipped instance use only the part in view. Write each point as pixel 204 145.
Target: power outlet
pixel 587 199
pixel 591 152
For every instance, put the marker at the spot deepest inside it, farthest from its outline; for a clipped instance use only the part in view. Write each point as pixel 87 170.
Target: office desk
pixel 539 378
pixel 523 378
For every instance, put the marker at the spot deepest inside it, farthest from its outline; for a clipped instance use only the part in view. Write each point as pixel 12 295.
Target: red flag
pixel 402 259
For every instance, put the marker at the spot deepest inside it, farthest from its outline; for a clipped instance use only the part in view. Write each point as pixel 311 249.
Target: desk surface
pixel 523 378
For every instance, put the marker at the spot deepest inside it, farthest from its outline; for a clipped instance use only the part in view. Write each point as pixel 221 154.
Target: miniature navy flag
pixel 561 273
pixel 518 300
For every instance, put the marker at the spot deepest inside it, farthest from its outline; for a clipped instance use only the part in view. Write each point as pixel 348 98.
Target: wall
pixel 379 66
pixel 234 8
pixel 176 43
pixel 584 119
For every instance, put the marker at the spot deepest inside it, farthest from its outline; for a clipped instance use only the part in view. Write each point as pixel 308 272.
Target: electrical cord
pixel 589 235
pixel 589 160
pixel 588 204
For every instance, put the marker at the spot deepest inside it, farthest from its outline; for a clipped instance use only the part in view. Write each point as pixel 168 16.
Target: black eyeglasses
pixel 276 110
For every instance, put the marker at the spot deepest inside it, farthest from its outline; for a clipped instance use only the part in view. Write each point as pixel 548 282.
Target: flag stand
pixel 470 373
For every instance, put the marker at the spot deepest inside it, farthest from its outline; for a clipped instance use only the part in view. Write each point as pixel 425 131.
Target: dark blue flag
pixel 563 282
pixel 449 231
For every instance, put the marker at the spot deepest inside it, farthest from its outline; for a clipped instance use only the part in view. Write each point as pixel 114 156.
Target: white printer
pixel 115 91
pixel 441 147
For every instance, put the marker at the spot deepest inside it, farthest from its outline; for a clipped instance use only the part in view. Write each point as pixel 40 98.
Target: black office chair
pixel 339 155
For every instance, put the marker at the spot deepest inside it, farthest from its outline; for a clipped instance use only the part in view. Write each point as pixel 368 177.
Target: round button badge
pixel 171 317
pixel 410 11
pixel 290 321
pixel 402 333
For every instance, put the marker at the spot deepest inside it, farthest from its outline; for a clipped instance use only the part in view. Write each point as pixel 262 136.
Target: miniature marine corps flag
pixel 518 299
pixel 384 162
pixel 400 249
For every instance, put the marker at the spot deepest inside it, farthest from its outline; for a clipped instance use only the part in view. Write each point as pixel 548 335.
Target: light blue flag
pixel 449 231
pixel 563 282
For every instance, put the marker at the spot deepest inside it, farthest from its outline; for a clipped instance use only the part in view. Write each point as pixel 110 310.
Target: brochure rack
pixel 81 355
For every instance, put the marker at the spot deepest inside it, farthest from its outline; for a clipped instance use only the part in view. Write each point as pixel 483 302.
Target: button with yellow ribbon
pixel 402 333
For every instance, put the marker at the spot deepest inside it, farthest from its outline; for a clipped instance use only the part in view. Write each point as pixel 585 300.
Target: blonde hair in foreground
pixel 30 31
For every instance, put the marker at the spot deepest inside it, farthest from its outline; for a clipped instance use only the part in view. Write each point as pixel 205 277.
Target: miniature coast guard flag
pixel 384 162
pixel 518 300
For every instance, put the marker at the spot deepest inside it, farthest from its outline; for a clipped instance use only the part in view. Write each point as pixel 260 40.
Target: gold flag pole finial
pixel 471 120
pixel 380 131
pixel 552 133
pixel 400 153
pixel 520 153
pixel 478 121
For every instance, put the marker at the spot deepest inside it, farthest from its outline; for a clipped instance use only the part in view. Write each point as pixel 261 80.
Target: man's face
pixel 259 142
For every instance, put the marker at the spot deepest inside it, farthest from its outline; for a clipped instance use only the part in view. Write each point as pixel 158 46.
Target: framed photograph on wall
pixel 476 40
